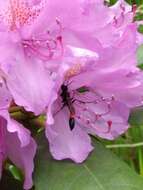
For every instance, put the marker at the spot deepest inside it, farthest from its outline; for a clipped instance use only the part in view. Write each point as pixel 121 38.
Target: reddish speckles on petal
pixel 45 45
pixel 18 13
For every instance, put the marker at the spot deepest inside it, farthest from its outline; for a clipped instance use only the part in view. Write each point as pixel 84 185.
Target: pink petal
pixel 22 157
pixel 13 146
pixel 64 143
pixel 30 85
pixel 2 144
pixel 5 96
pixel 103 119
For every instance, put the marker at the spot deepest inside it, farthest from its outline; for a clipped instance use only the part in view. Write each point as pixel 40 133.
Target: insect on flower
pixel 68 101
pixel 81 103
pixel 86 103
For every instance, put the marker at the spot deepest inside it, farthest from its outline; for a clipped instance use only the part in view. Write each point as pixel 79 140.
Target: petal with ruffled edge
pixel 21 156
pixel 30 85
pixel 67 144
pixel 106 119
pixel 17 145
pixel 5 96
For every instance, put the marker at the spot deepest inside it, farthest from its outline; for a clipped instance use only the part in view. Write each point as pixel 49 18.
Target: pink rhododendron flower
pixel 34 44
pixel 16 144
pixel 92 23
pixel 17 20
pixel 95 97
pixel 24 55
pixel 31 86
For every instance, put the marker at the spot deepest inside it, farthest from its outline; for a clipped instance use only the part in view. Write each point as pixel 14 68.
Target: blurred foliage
pixel 140 28
pixel 8 182
pixel 112 2
pixel 15 172
pixel 137 2
pixel 140 57
pixel 101 171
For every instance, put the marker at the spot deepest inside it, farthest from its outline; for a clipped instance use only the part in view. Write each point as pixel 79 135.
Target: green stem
pixel 18 115
pixel 131 162
pixel 140 158
pixel 15 109
pixel 134 145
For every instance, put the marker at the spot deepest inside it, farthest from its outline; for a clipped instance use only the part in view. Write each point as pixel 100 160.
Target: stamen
pixel 43 49
pixel 45 46
pixel 109 123
pixel 134 9
pixel 89 117
pixel 122 7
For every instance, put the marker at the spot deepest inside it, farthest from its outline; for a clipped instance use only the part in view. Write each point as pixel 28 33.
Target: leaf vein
pixel 94 177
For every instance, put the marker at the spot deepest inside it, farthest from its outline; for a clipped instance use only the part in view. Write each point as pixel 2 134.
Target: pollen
pixel 74 70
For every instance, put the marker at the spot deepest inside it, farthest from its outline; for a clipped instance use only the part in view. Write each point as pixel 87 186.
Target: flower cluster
pixel 73 61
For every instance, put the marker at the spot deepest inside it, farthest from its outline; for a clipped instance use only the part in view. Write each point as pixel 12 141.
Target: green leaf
pixel 136 117
pixel 140 28
pixel 101 171
pixel 140 57
pixel 8 183
pixel 16 173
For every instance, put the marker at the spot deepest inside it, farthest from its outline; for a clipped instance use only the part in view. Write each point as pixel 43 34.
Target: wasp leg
pixel 59 109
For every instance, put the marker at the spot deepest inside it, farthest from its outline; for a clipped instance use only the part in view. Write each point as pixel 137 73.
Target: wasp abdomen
pixel 71 123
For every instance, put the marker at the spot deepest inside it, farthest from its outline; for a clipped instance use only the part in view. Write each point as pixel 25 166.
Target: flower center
pixel 45 46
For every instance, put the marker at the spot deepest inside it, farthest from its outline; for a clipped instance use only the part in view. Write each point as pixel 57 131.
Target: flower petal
pixel 21 156
pixel 64 143
pixel 30 85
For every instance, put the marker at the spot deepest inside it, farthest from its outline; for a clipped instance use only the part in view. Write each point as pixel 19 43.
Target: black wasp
pixel 68 101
